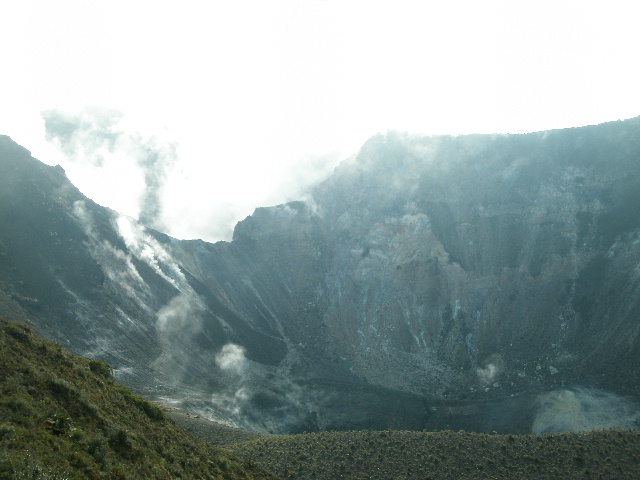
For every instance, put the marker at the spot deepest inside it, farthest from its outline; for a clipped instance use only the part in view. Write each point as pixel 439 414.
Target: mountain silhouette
pixel 484 282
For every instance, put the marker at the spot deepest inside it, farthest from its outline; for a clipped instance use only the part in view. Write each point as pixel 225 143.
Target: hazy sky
pixel 190 114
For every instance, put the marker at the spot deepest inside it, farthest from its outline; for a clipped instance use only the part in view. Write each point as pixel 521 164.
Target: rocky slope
pixel 479 282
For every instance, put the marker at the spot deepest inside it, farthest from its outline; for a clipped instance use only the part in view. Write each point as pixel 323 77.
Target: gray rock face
pixel 478 282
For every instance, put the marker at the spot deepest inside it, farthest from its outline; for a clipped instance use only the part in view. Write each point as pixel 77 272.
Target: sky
pixel 189 115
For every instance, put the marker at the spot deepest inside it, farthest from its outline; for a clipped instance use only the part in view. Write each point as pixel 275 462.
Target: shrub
pixel 60 388
pixel 60 424
pixel 7 433
pixel 120 442
pixel 97 448
pixel 101 368
pixel 19 405
pixel 151 410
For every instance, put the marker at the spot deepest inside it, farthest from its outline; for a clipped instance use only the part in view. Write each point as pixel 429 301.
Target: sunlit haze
pixel 188 115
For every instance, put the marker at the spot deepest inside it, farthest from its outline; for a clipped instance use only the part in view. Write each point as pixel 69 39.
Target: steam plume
pixel 95 137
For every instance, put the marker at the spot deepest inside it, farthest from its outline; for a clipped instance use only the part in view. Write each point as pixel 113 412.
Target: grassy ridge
pixel 606 454
pixel 63 417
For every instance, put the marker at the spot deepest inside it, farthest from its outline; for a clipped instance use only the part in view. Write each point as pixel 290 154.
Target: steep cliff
pixel 486 282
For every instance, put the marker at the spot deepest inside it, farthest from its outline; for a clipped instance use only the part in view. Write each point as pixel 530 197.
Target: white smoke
pixel 121 169
pixel 178 324
pixel 149 250
pixel 202 194
pixel 116 264
pixel 493 366
pixel 180 318
pixel 583 409
pixel 231 405
pixel 488 373
pixel 231 358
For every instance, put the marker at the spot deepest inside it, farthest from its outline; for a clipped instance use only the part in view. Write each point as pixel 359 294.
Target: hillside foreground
pixel 604 454
pixel 64 417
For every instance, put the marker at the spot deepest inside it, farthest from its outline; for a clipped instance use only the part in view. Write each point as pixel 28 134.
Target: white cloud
pixel 247 90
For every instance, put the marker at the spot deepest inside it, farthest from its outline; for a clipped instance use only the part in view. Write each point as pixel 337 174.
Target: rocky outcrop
pixel 430 282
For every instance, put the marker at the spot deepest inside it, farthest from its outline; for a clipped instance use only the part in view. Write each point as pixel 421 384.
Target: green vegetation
pixel 605 454
pixel 64 417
